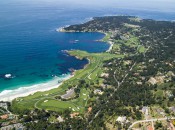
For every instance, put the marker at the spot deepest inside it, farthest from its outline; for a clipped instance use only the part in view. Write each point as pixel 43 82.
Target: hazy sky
pixel 160 5
pixel 164 5
pixel 157 5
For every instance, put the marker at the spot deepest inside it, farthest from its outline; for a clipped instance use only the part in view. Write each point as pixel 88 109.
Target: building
pixel 122 119
pixel 17 126
pixel 4 117
pixel 145 110
pixel 152 81
pixel 3 105
pixel 106 75
pixel 74 114
pixel 89 109
pixel 150 127
pixel 98 91
pixel 172 109
pixel 60 119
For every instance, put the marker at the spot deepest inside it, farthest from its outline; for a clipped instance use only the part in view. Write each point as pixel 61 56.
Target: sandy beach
pixel 111 45
pixel 9 95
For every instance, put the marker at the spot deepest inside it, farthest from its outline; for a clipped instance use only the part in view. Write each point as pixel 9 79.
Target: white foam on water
pixel 9 95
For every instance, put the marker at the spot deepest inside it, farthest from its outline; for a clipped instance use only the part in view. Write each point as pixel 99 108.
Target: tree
pixel 158 125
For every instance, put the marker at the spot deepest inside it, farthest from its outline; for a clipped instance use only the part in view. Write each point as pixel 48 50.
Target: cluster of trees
pixel 104 24
pixel 39 120
pixel 130 94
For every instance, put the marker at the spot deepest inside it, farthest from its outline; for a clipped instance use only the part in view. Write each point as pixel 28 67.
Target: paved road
pixel 89 74
pixel 119 83
pixel 150 120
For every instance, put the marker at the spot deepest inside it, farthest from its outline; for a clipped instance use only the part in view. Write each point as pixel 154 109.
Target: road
pixel 119 83
pixel 89 74
pixel 150 120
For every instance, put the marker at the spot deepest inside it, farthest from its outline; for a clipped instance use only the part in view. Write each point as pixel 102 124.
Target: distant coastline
pixel 62 29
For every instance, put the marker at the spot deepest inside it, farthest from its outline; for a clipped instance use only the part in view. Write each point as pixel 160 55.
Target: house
pixel 4 117
pixel 17 126
pixel 98 91
pixel 152 81
pixel 171 125
pixel 12 116
pixel 60 119
pixel 145 110
pixel 8 116
pixel 160 111
pixel 136 74
pixel 139 83
pixel 89 109
pixel 105 75
pixel 156 80
pixel 150 127
pixel 122 119
pixel 125 38
pixel 103 86
pixel 170 73
pixel 3 105
pixel 5 123
pixel 151 60
pixel 74 114
pixel 172 109
pixel 169 94
pixel 128 62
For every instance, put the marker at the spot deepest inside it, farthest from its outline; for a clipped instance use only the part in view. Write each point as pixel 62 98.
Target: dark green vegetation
pixel 138 71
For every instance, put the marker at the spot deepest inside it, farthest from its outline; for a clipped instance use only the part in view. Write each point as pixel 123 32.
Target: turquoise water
pixel 31 48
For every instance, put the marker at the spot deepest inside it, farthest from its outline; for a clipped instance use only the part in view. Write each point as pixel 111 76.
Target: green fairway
pixel 76 105
pixel 46 100
pixel 107 37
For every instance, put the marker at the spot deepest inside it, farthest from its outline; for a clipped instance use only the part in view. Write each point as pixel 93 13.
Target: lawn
pixel 107 37
pixel 76 105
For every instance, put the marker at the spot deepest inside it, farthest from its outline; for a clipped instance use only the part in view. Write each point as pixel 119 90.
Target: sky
pixel 156 5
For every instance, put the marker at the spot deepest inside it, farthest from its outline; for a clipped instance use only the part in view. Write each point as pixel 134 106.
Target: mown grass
pixel 107 37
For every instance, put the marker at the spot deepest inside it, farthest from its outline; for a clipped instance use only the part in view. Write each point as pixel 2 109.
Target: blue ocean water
pixel 31 48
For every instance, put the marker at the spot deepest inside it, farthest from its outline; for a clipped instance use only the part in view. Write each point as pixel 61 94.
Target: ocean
pixel 32 51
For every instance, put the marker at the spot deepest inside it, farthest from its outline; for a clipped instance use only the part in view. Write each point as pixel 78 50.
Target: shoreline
pixel 89 61
pixel 110 47
pixel 25 91
pixel 30 90
pixel 46 86
pixel 108 42
pixel 61 29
